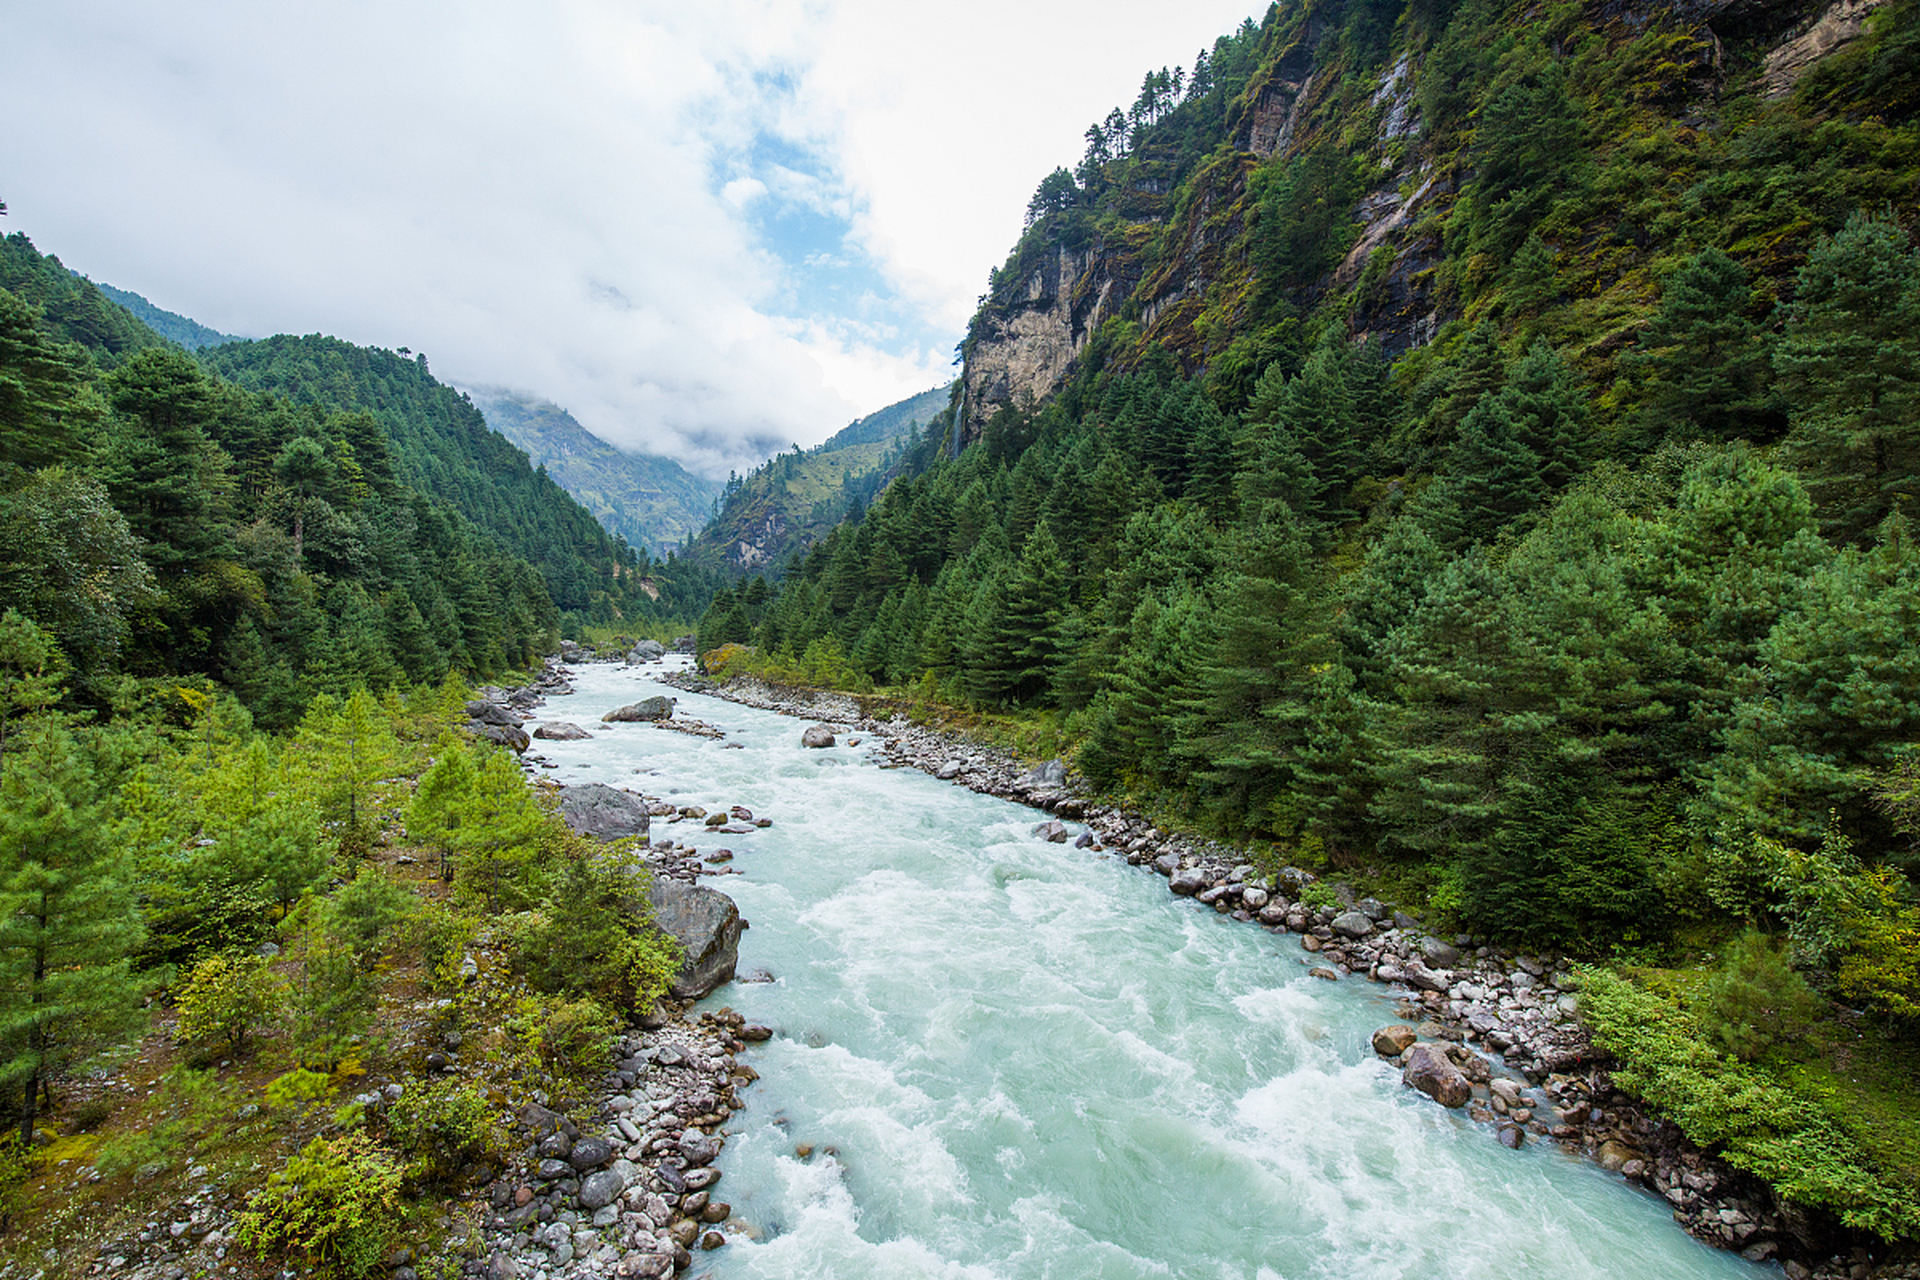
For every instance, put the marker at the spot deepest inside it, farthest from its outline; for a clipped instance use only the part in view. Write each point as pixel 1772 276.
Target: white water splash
pixel 1033 1063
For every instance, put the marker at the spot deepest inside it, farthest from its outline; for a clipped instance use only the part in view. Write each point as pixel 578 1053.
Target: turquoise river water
pixel 1020 1060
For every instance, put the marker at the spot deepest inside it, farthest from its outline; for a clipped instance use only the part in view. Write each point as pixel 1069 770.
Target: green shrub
pixel 572 1040
pixel 299 1090
pixel 1742 1111
pixel 335 1204
pixel 440 1126
pixel 225 997
pixel 1319 895
pixel 1755 1000
pixel 594 935
pixel 16 1166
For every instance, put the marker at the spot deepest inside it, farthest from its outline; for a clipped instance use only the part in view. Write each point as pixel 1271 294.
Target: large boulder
pixel 561 731
pixel 647 651
pixel 598 810
pixel 655 708
pixel 1188 882
pixel 507 735
pixel 488 712
pixel 1392 1041
pixel 1352 924
pixel 707 925
pixel 1429 1070
pixel 816 735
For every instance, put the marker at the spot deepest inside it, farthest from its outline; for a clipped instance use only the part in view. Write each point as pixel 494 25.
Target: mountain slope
pixel 1391 171
pixel 170 325
pixel 651 502
pixel 442 444
pixel 790 501
pixel 1468 450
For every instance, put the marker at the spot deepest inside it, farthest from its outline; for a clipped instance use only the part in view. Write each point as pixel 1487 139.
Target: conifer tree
pixel 1849 365
pixel 68 919
pixel 1700 365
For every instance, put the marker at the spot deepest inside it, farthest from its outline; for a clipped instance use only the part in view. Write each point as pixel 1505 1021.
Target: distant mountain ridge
pixel 170 325
pixel 652 502
pixel 790 501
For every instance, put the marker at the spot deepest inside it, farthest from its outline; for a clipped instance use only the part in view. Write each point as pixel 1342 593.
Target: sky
pixel 711 229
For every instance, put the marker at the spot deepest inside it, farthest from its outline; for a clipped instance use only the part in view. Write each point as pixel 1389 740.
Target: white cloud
pixel 571 197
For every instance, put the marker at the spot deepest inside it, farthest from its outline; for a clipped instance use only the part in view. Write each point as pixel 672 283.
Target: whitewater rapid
pixel 998 1057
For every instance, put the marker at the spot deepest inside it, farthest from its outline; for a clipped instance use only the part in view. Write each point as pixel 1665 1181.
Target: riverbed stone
pixel 1392 1041
pixel 816 736
pixel 707 924
pixel 602 812
pixel 697 1148
pixel 1053 832
pixel 1352 924
pixel 647 651
pixel 1188 882
pixel 601 1189
pixel 590 1153
pixel 1429 1070
pixel 561 731
pixel 655 708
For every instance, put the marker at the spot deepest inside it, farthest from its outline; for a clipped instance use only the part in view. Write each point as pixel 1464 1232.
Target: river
pixel 1014 1059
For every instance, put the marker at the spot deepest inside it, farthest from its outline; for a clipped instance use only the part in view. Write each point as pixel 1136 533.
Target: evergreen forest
pixel 1540 557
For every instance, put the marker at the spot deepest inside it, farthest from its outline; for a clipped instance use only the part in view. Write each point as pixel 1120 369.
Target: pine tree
pixel 68 919
pixel 1849 366
pixel 1700 365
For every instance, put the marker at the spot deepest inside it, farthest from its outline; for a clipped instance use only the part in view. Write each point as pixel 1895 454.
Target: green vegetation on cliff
pixel 1484 465
pixel 787 503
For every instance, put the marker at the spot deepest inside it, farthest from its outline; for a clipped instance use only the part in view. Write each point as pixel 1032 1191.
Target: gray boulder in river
pixel 817 735
pixel 647 651
pixel 655 708
pixel 707 925
pixel 507 735
pixel 561 731
pixel 597 810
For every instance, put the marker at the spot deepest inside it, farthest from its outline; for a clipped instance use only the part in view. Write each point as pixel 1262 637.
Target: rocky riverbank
pixel 1493 1031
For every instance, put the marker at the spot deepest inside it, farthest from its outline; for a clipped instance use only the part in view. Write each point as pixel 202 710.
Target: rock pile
pixel 632 1192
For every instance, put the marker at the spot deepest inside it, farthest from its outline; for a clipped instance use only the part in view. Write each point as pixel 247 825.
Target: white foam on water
pixel 1036 1064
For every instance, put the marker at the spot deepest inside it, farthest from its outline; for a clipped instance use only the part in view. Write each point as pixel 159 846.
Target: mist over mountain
pixel 652 502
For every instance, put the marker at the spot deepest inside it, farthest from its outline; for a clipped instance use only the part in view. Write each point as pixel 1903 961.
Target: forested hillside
pixel 788 502
pixel 171 325
pixel 160 520
pixel 1470 448
pixel 654 503
pixel 441 444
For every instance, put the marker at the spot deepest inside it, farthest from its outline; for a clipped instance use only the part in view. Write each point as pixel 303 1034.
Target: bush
pixel 335 1203
pixel 1755 1123
pixel 225 997
pixel 299 1090
pixel 16 1167
pixel 1755 1000
pixel 441 1126
pixel 594 935
pixel 572 1040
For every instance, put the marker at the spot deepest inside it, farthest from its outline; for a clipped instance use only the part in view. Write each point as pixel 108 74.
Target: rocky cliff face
pixel 1177 265
pixel 1024 347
